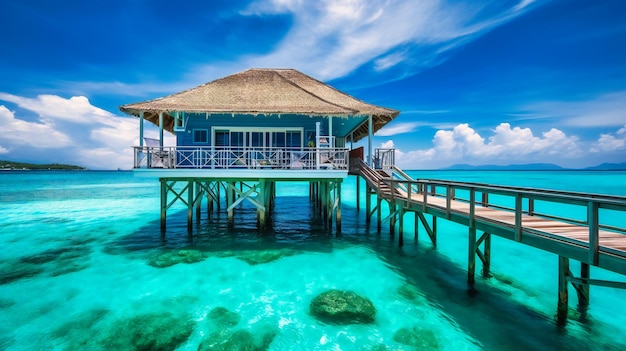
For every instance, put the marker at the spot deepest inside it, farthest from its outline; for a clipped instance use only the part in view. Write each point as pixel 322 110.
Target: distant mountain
pixel 11 165
pixel 519 167
pixel 608 167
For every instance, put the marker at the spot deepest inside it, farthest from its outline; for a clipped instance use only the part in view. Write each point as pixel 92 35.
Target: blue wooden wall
pixel 201 121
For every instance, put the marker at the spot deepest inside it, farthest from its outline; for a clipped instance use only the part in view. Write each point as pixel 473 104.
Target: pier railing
pixel 170 157
pixel 593 211
pixel 384 158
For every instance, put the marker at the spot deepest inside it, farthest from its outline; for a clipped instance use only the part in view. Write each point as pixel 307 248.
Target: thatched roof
pixel 263 91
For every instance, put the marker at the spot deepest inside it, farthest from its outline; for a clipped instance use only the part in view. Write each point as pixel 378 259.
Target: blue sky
pixel 478 82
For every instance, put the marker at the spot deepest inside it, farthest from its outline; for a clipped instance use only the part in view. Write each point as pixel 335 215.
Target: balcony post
pixel 369 141
pixel 141 129
pixel 161 129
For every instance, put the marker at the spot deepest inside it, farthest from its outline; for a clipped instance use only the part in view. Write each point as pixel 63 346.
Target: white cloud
pixel 3 150
pixel 85 134
pixel 331 38
pixel 610 143
pixel 21 133
pixel 398 128
pixel 76 109
pixel 389 144
pixel 506 145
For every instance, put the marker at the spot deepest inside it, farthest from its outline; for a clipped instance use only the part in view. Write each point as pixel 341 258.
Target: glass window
pixel 278 139
pixel 294 139
pixel 236 139
pixel 221 138
pixel 200 136
pixel 256 139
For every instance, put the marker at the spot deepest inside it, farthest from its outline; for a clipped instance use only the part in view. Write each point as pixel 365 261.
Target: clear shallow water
pixel 83 267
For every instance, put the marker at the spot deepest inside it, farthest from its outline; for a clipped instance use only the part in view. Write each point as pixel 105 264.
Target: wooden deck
pixel 595 236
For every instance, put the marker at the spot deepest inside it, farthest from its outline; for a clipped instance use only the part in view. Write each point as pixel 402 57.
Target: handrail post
pixel 448 200
pixel 409 190
pixel 518 217
pixel 593 223
pixel 471 254
pixel 472 214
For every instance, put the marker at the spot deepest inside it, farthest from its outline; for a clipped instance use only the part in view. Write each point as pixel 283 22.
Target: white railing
pixel 169 157
pixel 384 158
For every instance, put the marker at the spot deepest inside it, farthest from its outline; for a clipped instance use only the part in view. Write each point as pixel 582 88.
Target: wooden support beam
pixel 338 210
pixel 471 259
pixel 401 226
pixel 164 191
pixel 392 218
pixel 329 203
pixel 562 305
pixel 219 196
pixel 230 191
pixel 198 199
pixel 368 204
pixel 487 254
pixel 429 230
pixel 264 199
pixel 434 237
pixel 582 288
pixel 594 227
pixel 416 225
pixel 598 282
pixel 379 214
pixel 518 217
pixel 448 200
pixel 190 193
pixel 358 193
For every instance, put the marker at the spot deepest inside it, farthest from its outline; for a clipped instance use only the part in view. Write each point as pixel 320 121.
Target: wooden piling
pixel 163 204
pixel 562 305
pixel 471 257
pixel 190 198
pixel 582 289
pixel 338 210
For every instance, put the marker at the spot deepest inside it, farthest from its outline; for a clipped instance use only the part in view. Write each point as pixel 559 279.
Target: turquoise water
pixel 84 266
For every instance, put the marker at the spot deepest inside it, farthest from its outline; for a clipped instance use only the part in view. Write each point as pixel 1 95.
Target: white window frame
pixel 246 140
pixel 193 135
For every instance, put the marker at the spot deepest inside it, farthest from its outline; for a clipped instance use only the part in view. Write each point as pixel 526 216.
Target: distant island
pixel 17 166
pixel 535 167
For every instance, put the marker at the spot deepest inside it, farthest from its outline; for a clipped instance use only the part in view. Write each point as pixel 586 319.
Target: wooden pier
pixel 523 215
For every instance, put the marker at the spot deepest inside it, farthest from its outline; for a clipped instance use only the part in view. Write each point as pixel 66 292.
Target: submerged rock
pixel 79 328
pixel 418 337
pixel 223 318
pixel 155 331
pixel 343 307
pixel 411 293
pixel 259 257
pixel 170 258
pixel 240 340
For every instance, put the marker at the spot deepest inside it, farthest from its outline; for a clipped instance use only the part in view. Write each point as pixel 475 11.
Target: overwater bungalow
pixel 255 127
pixel 256 120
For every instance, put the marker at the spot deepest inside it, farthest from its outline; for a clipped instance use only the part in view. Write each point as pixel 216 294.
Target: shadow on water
pixel 293 224
pixel 485 312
